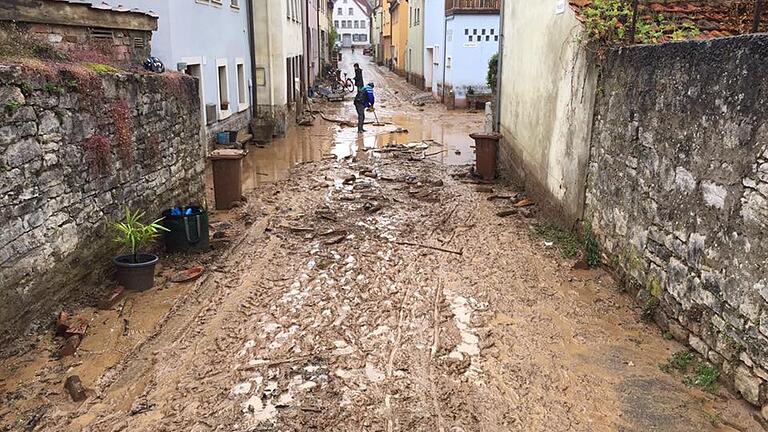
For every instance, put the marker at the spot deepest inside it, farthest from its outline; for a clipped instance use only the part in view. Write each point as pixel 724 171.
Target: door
pixel 346 40
pixel 429 58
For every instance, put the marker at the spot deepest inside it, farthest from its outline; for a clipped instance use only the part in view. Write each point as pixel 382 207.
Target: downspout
pixel 497 112
pixel 269 60
pixel 319 41
pixel 423 57
pixel 252 47
pixel 445 53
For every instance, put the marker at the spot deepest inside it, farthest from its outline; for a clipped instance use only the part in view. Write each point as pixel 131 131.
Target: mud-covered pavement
pixel 381 292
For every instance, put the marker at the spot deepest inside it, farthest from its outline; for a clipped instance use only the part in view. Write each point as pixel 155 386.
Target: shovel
pixel 377 122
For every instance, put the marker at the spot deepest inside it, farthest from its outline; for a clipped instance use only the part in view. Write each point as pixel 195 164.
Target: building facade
pixel 209 40
pixel 414 55
pixel 434 46
pixel 377 17
pixel 472 38
pixel 386 33
pixel 279 37
pixel 352 21
pixel 398 10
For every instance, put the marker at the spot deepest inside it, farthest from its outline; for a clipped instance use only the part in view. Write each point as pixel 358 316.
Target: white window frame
pixel 241 106
pixel 216 2
pixel 223 114
pixel 234 4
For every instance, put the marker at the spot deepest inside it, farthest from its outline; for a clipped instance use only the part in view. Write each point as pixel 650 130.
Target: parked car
pixel 368 50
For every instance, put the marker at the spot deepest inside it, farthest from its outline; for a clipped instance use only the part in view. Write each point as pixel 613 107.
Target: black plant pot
pixel 136 276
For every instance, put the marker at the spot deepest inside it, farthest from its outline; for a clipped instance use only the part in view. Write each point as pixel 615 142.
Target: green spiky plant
pixel 133 235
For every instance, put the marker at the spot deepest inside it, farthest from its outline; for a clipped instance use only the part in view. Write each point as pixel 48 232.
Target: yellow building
pixel 386 32
pixel 398 10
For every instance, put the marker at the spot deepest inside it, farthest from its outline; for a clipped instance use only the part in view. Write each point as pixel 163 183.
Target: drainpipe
pixel 252 47
pixel 445 52
pixel 497 113
pixel 319 40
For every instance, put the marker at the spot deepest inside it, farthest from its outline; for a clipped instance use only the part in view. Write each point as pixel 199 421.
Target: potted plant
pixel 263 126
pixel 136 271
pixel 224 106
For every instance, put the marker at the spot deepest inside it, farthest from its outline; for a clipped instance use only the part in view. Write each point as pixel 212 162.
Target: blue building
pixel 434 44
pixel 208 39
pixel 470 32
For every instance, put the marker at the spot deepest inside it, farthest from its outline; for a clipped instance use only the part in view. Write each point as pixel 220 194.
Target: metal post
pixel 633 26
pixel 758 15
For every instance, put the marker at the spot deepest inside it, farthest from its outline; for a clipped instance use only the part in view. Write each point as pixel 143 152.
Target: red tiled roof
pixel 715 18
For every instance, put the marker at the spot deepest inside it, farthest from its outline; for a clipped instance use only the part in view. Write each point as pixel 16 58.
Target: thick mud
pixel 378 291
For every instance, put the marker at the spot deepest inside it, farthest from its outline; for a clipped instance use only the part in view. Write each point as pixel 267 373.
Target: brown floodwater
pixel 449 144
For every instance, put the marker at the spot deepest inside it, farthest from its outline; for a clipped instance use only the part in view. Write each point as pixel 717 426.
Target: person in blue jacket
pixel 364 99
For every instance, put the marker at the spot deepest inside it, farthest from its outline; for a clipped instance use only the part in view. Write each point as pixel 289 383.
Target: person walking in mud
pixel 358 77
pixel 364 99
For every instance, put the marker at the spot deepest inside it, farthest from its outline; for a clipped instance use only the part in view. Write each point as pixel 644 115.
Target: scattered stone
pixel 70 346
pixel 747 384
pixel 581 264
pixel 75 388
pixel 484 189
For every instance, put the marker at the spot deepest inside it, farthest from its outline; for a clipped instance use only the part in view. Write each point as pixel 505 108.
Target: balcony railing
pixel 471 6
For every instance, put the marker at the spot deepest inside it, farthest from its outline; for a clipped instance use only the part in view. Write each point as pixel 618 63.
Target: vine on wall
pixel 121 115
pixel 97 154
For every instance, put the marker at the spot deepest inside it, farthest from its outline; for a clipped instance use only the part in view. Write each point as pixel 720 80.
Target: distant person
pixel 364 99
pixel 358 77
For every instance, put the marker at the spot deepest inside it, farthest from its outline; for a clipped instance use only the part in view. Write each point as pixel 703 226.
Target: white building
pixel 279 54
pixel 352 21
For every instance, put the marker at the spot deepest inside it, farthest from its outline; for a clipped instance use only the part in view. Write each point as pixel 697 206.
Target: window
pixel 351 12
pixel 357 24
pixel 340 12
pixel 363 38
pixel 474 31
pixel 482 32
pixel 470 38
pixel 466 31
pixel 448 62
pixel 362 23
pixel 496 38
pixel 487 38
pixel 234 4
pixel 492 30
pixel 221 66
pixel 241 98
pixel 349 23
pixel 216 2
pixel 343 24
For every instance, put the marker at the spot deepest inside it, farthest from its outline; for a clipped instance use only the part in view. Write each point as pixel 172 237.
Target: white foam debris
pixel 240 389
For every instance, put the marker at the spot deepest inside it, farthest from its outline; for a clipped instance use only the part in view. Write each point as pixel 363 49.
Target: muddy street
pixel 375 288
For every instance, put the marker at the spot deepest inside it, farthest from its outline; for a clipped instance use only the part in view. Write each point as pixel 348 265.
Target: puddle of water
pixel 302 144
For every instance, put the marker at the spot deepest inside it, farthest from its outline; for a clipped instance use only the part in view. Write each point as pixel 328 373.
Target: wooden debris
pixel 525 202
pixel 110 301
pixel 188 275
pixel 405 243
pixel 505 213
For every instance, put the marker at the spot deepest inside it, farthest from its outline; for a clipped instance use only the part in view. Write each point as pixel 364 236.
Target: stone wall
pixel 76 148
pixel 678 194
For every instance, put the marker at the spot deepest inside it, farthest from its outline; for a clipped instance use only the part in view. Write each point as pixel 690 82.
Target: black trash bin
pixel 187 233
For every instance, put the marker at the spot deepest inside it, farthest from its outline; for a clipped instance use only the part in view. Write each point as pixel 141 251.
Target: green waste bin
pixel 187 233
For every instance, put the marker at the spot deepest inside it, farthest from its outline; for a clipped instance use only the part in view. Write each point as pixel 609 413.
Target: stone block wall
pixel 76 148
pixel 677 194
